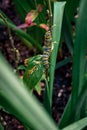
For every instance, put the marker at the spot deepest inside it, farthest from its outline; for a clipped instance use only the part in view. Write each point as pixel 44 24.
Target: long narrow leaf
pixel 57 22
pixel 64 121
pixel 67 33
pixel 71 7
pixel 20 103
pixel 77 125
pixel 67 116
pixel 79 60
pixel 23 7
pixel 63 62
pixel 78 67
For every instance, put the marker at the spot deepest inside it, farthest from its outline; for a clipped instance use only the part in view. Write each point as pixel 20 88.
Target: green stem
pixel 9 31
pixel 47 98
pixel 16 52
pixel 22 35
pixel 50 13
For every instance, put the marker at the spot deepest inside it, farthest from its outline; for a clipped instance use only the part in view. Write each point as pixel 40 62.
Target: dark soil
pixel 62 81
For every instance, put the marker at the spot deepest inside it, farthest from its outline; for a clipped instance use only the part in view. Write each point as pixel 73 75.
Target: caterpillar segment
pixel 45 61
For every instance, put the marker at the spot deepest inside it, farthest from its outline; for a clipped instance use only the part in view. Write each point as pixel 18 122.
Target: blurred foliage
pixel 25 107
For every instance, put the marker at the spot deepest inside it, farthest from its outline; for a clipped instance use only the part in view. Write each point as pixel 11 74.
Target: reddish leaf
pixel 30 17
pixel 44 26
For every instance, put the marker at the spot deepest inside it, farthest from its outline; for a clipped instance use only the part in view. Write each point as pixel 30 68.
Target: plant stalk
pixel 16 52
pixel 50 13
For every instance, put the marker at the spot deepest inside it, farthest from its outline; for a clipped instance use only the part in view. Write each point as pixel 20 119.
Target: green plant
pixel 26 108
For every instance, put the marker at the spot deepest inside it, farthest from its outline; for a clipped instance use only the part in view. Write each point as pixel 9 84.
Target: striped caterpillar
pixel 47 49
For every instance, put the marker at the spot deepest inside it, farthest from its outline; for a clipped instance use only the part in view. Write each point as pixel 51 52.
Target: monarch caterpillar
pixel 47 49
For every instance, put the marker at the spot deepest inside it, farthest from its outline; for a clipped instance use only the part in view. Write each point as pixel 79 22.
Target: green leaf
pixel 15 98
pixel 80 47
pixel 33 72
pixel 21 67
pixel 23 8
pixel 77 125
pixel 1 128
pixel 57 22
pixel 70 10
pixel 79 62
pixel 63 62
pixel 71 7
pixel 67 33
pixel 81 105
pixel 38 88
pixel 68 116
pixel 65 119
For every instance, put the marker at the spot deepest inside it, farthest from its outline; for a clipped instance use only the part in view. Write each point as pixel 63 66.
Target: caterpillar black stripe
pixel 47 49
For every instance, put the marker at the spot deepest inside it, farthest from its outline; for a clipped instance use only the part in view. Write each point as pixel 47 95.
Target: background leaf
pixel 77 125
pixel 78 72
pixel 20 103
